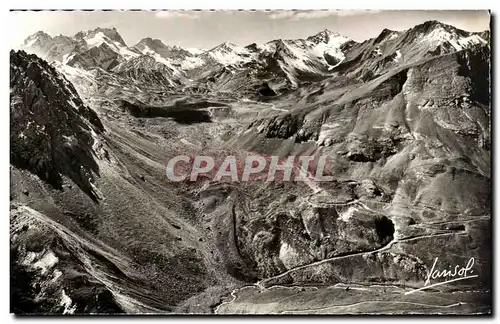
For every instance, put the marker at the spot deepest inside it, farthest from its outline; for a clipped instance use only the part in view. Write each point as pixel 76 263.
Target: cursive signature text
pixel 456 273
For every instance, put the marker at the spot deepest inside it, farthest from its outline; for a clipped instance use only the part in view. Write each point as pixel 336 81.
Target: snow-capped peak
pixel 386 35
pixel 39 38
pixel 155 44
pixel 327 37
pixel 146 50
pixel 110 33
pixel 459 39
pixel 229 54
pixel 171 56
pixel 110 37
pixel 224 47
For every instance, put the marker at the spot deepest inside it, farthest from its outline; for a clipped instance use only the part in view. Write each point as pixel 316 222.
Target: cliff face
pixel 52 132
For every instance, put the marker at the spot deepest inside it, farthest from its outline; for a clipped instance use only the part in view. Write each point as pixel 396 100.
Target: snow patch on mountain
pixel 195 51
pixel 68 57
pixel 440 35
pixel 192 62
pixel 398 57
pixel 66 303
pixel 39 38
pixel 84 81
pixel 100 38
pixel 31 42
pixel 393 36
pixel 230 54
pixel 328 42
pixel 160 59
pixel 299 58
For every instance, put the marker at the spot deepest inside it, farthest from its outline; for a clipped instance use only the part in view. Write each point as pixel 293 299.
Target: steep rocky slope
pixel 85 234
pixel 146 70
pixel 53 133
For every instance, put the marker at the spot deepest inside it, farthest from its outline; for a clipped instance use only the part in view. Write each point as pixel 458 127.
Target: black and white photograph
pixel 250 162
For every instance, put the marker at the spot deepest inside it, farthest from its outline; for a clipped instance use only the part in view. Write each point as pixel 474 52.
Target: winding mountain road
pixel 261 285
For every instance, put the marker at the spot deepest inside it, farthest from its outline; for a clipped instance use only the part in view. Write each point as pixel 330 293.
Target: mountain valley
pixel 96 227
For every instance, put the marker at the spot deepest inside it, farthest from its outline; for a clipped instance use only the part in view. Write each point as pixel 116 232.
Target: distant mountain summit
pixel 97 35
pixel 326 36
pixel 153 44
pixel 279 61
pixel 436 34
pixel 38 39
pixel 162 53
pixel 60 47
pixel 51 48
pixel 376 56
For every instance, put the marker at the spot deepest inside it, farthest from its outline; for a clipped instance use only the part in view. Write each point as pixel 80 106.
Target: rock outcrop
pixel 52 131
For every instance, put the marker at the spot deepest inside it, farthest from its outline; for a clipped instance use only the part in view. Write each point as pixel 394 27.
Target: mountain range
pixel 404 118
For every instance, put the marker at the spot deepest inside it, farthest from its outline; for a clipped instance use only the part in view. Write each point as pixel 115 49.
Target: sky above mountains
pixel 206 29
